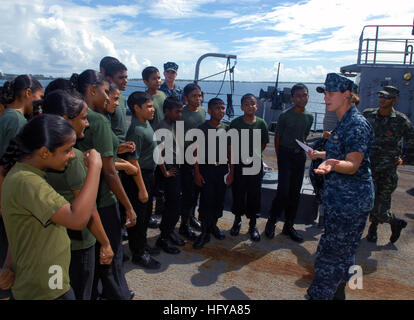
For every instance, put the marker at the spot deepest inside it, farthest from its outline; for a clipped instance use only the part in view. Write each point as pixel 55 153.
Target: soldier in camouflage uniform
pixel 348 194
pixel 390 127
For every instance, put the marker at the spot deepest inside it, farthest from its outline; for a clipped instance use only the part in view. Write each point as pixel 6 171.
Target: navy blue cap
pixel 170 66
pixel 334 82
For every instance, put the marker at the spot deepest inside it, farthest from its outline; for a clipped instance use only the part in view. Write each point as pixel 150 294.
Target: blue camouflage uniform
pixel 348 200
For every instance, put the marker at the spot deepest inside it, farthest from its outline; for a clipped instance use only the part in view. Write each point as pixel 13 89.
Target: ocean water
pixel 212 88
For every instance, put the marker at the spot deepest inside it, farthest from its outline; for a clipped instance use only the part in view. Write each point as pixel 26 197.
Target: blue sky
pixel 309 38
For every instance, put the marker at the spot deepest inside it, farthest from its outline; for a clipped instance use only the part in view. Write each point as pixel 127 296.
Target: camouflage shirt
pixel 389 134
pixel 345 192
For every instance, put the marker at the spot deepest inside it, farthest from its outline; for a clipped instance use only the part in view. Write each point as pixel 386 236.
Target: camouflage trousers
pixel 385 184
pixel 336 252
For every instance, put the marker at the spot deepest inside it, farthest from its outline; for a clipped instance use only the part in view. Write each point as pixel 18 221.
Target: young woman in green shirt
pixel 73 108
pixel 94 89
pixel 35 215
pixel 16 98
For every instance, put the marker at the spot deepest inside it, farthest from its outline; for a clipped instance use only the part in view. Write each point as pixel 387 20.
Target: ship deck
pixel 238 269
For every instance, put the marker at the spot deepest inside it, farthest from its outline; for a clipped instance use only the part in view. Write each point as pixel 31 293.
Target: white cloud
pixel 311 27
pixel 60 38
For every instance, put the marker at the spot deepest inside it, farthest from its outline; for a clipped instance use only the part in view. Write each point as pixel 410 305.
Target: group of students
pixel 74 176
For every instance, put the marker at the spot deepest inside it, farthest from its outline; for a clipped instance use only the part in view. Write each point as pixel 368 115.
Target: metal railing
pixel 386 47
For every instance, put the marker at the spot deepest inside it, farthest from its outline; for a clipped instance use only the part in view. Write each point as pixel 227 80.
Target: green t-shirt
pixel 100 136
pixel 64 183
pixel 192 120
pixel 205 127
pixel 11 121
pixel 176 150
pixel 239 124
pixel 142 134
pixel 158 100
pixel 37 244
pixel 292 125
pixel 118 120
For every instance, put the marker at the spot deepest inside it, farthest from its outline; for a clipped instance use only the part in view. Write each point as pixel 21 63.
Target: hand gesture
pixel 326 166
pixel 126 147
pixel 92 159
pixel 399 162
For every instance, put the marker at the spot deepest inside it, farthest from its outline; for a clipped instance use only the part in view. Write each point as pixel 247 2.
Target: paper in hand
pixel 304 146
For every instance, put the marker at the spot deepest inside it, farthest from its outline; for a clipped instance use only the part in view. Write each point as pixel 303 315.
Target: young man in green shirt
pixel 193 116
pixel 246 188
pixel 293 124
pixel 212 178
pixel 142 184
pixel 117 72
pixel 152 79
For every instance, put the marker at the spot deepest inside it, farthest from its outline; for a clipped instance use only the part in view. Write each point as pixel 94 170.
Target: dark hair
pixel 107 60
pixel 113 68
pixel 45 130
pixel 247 96
pixel 59 83
pixel 297 87
pixel 215 102
pixel 86 78
pixel 147 72
pixel 13 89
pixel 63 103
pixel 137 98
pixel 112 86
pixel 171 103
pixel 190 87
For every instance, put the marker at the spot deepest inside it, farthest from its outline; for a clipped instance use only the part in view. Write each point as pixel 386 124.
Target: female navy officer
pixel 348 194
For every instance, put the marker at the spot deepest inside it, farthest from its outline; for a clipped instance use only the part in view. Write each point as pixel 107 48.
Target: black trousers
pixel 212 194
pixel 190 192
pixel 137 235
pixel 4 245
pixel 81 272
pixel 114 285
pixel 172 193
pixel 291 166
pixel 246 191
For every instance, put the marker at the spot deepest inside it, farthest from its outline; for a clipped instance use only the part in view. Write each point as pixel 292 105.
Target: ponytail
pixel 355 100
pixel 12 89
pixel 85 79
pixel 45 130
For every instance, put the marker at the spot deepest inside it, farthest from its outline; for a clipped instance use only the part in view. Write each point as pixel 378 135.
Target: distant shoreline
pixel 7 77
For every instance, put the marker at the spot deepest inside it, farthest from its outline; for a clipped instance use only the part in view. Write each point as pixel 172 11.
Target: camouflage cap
pixel 389 92
pixel 170 66
pixel 334 82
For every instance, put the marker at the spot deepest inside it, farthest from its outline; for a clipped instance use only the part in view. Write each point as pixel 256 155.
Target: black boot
pixel 292 233
pixel 340 292
pixel 153 223
pixel 372 232
pixel 187 232
pixel 203 238
pixel 254 233
pixel 396 226
pixel 166 246
pixel 217 233
pixel 235 230
pixel 194 223
pixel 270 228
